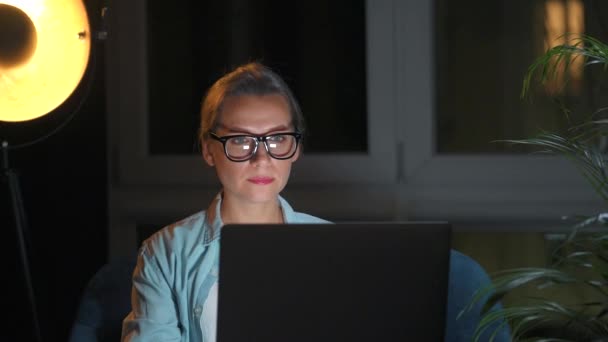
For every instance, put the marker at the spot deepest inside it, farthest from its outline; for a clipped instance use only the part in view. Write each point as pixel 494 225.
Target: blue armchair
pixel 104 304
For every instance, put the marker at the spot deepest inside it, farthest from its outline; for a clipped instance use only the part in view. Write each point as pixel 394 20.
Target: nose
pixel 261 155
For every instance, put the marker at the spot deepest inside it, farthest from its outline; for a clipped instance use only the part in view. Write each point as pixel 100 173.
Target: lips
pixel 260 180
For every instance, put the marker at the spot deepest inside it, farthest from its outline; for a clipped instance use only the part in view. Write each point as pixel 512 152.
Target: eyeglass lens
pixel 243 147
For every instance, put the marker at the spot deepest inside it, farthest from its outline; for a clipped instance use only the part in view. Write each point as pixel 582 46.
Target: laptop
pixel 373 281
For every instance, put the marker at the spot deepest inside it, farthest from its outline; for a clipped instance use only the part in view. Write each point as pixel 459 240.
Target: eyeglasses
pixel 240 148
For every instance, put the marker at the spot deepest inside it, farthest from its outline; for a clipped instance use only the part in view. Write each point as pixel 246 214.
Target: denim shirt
pixel 173 277
pixel 174 274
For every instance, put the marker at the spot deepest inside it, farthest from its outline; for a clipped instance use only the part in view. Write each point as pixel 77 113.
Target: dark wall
pixel 64 189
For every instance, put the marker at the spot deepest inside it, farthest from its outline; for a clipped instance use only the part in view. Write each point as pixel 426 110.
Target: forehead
pixel 255 113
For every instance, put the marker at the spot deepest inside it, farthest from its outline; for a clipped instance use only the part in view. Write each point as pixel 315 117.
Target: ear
pixel 207 155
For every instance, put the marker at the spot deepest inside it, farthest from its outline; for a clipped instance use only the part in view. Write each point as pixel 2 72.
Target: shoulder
pixel 183 234
pixel 292 216
pixel 306 218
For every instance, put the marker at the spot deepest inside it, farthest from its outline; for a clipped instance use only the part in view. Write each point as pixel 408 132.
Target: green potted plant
pixel 580 262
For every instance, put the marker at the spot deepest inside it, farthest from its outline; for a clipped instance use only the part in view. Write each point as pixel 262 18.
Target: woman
pixel 251 126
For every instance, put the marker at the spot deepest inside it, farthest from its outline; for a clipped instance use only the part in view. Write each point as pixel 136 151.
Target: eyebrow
pixel 245 131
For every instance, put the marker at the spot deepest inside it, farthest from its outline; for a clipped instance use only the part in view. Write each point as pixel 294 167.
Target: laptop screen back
pixel 333 282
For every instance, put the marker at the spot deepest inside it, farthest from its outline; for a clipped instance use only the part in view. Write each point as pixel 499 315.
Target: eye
pixel 239 140
pixel 276 138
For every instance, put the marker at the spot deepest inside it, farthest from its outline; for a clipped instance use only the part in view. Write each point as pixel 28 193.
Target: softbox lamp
pixel 44 53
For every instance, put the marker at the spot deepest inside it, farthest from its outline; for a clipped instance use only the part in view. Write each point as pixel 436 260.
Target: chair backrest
pixel 105 303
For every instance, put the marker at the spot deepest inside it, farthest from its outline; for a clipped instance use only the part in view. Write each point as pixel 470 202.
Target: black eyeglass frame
pixel 257 139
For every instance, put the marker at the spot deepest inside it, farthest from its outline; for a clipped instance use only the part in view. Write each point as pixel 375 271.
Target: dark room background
pixel 375 88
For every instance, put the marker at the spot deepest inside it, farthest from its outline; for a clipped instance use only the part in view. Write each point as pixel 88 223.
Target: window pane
pixel 318 46
pixel 483 50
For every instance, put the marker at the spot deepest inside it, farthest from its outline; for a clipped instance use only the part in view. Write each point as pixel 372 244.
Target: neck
pixel 234 211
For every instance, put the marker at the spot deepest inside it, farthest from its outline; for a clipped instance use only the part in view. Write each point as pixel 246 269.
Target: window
pixel 483 50
pixel 319 48
pixel 157 135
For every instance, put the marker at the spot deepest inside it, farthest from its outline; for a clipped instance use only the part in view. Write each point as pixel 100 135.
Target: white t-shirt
pixel 209 316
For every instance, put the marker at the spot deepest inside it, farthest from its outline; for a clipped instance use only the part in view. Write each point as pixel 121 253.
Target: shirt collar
pixel 213 230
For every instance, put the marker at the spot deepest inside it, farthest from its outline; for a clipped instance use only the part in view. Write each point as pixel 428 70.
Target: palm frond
pixel 504 282
pixel 590 49
pixel 546 321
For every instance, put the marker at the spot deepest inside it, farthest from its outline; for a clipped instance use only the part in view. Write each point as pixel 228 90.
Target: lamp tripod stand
pixel 11 179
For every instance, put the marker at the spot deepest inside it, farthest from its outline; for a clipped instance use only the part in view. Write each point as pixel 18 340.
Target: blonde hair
pixel 249 79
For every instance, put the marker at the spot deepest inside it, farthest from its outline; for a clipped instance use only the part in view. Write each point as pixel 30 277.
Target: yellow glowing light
pixel 576 25
pixel 564 19
pixel 39 72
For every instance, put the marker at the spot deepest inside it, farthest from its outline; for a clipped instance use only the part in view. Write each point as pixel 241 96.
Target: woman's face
pixel 261 178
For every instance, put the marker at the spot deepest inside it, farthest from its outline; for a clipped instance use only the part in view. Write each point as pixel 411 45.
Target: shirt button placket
pixel 198 311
